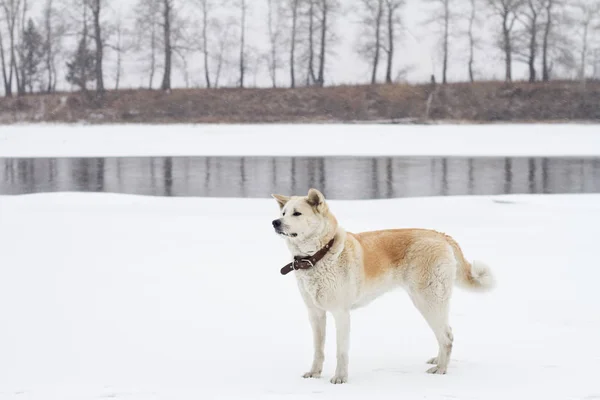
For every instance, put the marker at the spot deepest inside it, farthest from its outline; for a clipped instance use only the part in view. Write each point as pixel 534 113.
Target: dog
pixel 338 271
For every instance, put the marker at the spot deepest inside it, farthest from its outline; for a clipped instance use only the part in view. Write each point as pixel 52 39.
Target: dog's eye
pixel 296 214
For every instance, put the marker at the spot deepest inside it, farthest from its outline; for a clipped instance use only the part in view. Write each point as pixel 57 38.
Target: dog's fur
pixel 361 267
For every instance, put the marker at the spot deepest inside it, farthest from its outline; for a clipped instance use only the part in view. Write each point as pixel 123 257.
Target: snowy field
pixel 123 297
pixel 299 140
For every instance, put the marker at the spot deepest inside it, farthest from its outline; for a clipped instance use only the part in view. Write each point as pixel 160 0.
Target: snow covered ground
pixel 125 297
pixel 300 140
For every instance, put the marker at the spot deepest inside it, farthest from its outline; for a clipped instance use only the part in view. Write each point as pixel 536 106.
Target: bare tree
pixel 292 6
pixel 206 10
pixel 48 44
pixel 147 25
pixel 557 37
pixel 86 21
pixel 311 77
pixel 11 10
pixel 119 50
pixel 242 6
pixel 530 19
pixel 122 44
pixel 31 54
pixel 20 71
pixel 378 22
pixel 275 30
pixel 166 20
pixel 586 16
pixel 370 39
pixel 548 25
pixel 96 9
pixel 53 32
pixel 81 69
pixel 442 17
pixel 471 36
pixel 327 10
pixel 182 44
pixel 393 19
pixel 223 47
pixel 7 80
pixel 507 11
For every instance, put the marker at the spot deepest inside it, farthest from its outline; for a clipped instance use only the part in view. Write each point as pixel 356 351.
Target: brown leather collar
pixel 306 262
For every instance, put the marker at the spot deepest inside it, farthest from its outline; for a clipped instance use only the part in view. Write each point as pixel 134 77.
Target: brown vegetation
pixel 474 102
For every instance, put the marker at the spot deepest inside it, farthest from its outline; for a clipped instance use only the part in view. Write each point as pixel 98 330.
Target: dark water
pixel 338 177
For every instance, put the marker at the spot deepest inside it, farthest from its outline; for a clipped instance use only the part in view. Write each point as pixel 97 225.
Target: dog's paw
pixel 433 360
pixel 437 370
pixel 312 374
pixel 339 379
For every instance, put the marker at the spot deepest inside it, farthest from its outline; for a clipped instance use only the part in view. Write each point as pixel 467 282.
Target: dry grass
pixel 479 102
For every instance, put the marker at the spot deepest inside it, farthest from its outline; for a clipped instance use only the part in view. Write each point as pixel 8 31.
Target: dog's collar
pixel 306 262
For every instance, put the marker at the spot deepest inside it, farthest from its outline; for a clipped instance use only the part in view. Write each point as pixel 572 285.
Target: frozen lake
pixel 340 177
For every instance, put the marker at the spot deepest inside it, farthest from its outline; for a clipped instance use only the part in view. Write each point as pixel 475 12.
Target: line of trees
pixel 68 39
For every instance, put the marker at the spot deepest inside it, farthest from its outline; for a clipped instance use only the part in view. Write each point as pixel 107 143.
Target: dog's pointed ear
pixel 315 199
pixel 281 200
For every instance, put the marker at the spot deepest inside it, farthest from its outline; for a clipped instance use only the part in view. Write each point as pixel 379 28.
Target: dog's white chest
pixel 323 286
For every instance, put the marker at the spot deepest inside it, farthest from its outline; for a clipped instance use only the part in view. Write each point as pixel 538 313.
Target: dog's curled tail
pixel 475 276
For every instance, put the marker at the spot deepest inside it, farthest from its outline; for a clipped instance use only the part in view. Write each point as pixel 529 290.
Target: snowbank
pixel 107 296
pixel 299 140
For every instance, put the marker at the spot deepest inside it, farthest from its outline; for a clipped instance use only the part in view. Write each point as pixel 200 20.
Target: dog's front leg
pixel 342 327
pixel 318 322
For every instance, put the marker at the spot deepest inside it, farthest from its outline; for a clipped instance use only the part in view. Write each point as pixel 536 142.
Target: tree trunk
pixel 311 47
pixel 273 43
pixel 293 44
pixel 7 83
pixel 584 51
pixel 205 42
pixel 118 77
pixel 321 78
pixel 166 83
pixel 21 80
pixel 471 42
pixel 533 47
pixel 82 71
pixel 507 48
pixel 10 12
pixel 96 9
pixel 545 67
pixel 152 55
pixel 390 58
pixel 446 39
pixel 219 64
pixel 377 41
pixel 15 68
pixel 243 44
pixel 119 50
pixel 49 44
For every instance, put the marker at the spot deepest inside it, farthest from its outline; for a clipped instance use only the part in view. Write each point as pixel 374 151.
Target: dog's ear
pixel 315 199
pixel 281 200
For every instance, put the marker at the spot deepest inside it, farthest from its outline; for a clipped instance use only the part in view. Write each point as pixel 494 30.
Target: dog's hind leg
pixel 434 303
pixel 318 322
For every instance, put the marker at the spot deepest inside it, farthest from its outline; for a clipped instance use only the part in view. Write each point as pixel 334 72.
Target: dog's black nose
pixel 277 223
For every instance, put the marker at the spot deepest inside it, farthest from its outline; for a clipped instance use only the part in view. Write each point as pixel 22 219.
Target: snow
pixel 49 140
pixel 127 297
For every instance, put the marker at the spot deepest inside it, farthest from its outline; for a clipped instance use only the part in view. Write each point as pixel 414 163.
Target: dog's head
pixel 303 217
